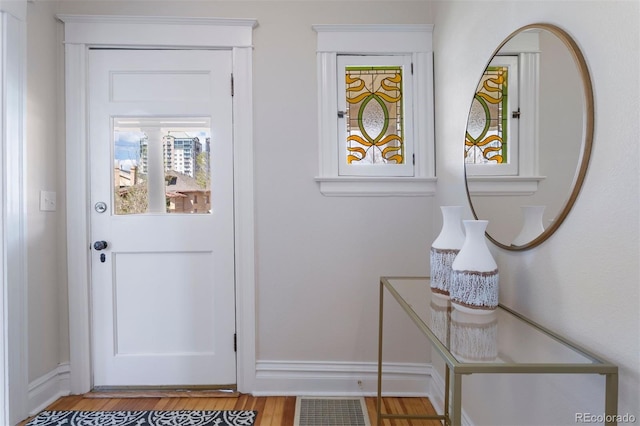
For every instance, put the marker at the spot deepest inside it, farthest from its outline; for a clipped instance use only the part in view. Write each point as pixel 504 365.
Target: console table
pixel 469 343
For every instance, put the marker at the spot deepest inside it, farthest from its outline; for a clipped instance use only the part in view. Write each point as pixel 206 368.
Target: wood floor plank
pixel 388 409
pixel 397 408
pixel 190 404
pixel 279 411
pixel 391 405
pixel 258 404
pixel 269 412
pixel 241 403
pixel 372 410
pixel 289 410
pixel 228 403
pixel 110 405
pixel 163 404
pixel 66 403
pixel 84 404
pixel 424 406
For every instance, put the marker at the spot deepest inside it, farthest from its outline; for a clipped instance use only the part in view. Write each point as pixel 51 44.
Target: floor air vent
pixel 328 411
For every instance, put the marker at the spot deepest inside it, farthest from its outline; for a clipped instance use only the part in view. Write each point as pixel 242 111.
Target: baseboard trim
pixel 340 378
pixel 292 378
pixel 47 389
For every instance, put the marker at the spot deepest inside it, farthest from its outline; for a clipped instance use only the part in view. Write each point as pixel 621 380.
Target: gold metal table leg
pixel 456 414
pixel 446 393
pixel 380 323
pixel 611 399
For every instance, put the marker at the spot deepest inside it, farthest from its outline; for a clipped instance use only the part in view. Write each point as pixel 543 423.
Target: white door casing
pixel 13 264
pixel 163 304
pixel 83 32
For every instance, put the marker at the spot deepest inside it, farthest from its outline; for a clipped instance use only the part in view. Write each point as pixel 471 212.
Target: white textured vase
pixel 474 272
pixel 532 225
pixel 445 248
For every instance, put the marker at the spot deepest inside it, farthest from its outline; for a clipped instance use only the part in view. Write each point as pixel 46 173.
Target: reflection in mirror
pixel 529 136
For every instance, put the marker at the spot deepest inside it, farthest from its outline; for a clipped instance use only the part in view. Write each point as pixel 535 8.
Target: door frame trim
pixel 13 214
pixel 83 32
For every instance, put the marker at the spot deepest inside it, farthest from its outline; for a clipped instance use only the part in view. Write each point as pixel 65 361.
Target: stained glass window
pixel 486 137
pixel 375 133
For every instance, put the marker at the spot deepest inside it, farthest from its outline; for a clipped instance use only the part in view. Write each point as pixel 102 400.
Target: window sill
pixel 503 185
pixel 341 186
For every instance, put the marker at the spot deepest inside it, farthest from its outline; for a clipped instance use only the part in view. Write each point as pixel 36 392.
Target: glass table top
pixel 500 336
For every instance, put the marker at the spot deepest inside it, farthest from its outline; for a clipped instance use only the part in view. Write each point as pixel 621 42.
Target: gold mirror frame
pixel 587 142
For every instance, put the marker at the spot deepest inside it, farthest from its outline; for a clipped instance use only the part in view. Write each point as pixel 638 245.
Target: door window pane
pixel 161 165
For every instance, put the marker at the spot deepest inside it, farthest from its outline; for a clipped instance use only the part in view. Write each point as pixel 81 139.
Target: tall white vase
pixel 445 248
pixel 532 225
pixel 474 276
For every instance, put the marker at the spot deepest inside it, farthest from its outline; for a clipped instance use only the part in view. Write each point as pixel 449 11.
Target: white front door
pixel 161 172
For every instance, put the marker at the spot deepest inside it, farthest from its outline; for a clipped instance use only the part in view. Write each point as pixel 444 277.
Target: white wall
pixel 319 257
pixel 46 246
pixel 583 281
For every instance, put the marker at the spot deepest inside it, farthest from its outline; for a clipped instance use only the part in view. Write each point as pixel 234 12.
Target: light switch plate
pixel 47 201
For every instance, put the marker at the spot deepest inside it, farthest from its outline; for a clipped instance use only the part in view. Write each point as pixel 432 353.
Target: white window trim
pixel 527 47
pixel 377 170
pixel 83 32
pixel 414 40
pixel 503 185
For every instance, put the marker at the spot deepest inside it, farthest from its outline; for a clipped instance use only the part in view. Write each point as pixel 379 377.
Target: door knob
pixel 100 245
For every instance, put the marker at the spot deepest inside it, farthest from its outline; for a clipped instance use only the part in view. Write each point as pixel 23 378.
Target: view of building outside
pixel 185 158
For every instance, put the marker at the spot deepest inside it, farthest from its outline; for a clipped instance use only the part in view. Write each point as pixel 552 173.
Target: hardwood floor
pixel 272 410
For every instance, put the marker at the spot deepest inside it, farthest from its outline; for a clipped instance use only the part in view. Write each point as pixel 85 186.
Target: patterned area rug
pixel 144 418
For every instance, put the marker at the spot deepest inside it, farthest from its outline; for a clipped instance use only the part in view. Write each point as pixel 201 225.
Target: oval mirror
pixel 529 136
